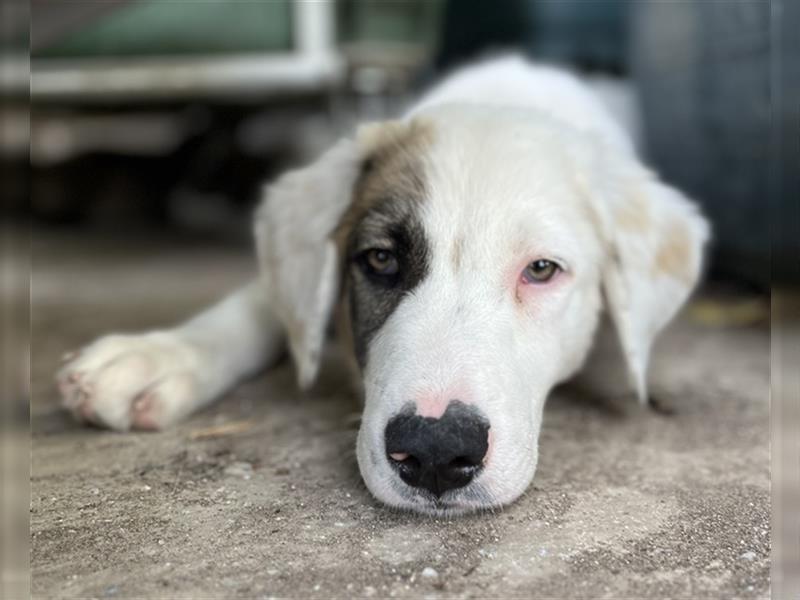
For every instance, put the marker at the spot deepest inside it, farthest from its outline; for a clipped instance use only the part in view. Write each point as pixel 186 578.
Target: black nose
pixel 438 454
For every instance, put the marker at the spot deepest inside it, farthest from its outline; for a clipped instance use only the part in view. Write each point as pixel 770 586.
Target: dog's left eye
pixel 540 271
pixel 381 262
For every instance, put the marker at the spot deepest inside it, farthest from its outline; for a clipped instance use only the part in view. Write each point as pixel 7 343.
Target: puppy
pixel 465 252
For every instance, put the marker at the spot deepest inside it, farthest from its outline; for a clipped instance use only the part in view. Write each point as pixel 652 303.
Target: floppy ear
pixel 655 239
pixel 297 255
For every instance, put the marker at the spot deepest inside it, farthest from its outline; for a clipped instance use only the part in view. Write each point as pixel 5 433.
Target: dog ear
pixel 655 238
pixel 297 256
pixel 294 228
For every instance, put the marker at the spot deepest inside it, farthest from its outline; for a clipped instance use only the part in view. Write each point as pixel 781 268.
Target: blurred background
pixel 153 114
pixel 134 130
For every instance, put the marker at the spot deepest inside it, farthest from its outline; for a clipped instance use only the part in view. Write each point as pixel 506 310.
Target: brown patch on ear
pixel 674 255
pixel 371 137
pixel 392 169
pixel 634 215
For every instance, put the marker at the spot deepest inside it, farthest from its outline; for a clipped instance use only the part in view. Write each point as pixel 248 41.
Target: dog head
pixel 470 252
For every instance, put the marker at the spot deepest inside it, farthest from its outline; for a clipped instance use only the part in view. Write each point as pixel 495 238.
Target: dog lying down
pixel 466 252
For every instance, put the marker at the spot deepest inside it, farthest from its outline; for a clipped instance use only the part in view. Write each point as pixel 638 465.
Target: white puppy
pixel 467 251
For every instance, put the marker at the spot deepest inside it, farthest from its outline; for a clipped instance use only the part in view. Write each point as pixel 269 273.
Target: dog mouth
pixel 474 498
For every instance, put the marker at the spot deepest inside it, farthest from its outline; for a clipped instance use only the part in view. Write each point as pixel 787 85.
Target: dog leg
pixel 151 380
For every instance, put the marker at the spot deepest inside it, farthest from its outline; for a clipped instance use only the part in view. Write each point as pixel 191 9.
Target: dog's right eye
pixel 381 262
pixel 540 271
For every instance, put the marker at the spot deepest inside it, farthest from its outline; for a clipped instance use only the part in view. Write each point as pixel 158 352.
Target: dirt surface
pixel 260 495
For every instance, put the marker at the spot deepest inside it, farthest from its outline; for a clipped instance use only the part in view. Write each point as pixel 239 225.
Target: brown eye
pixel 540 271
pixel 381 262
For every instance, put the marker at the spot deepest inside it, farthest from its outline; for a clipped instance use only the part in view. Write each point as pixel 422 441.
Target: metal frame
pixel 313 65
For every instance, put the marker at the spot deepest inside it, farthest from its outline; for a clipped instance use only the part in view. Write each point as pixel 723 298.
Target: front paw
pixel 146 381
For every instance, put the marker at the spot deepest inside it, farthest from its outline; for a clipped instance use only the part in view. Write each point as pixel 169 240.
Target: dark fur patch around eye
pixel 385 210
pixel 372 301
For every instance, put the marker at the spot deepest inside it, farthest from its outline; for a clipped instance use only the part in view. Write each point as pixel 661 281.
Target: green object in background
pixel 389 21
pixel 181 27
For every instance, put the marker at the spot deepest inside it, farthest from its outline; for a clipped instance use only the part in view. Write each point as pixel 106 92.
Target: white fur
pixel 512 82
pixel 302 289
pixel 152 380
pixel 524 163
pixel 462 328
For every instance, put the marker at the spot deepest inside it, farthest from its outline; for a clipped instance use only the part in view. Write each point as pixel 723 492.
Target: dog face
pixel 470 250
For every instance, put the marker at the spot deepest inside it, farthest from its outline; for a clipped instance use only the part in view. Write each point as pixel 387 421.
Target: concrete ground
pixel 260 495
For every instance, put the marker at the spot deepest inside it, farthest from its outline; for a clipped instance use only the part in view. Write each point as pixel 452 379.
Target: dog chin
pixel 476 498
pixel 471 500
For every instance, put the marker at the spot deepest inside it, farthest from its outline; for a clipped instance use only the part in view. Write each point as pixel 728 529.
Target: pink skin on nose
pixel 432 407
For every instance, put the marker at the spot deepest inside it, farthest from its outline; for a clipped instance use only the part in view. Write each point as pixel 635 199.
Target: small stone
pixel 370 591
pixel 430 573
pixel 749 555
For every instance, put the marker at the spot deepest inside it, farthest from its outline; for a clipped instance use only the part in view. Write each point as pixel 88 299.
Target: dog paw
pixel 123 382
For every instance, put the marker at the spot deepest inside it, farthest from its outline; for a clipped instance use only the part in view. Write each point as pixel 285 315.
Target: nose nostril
pixel 461 463
pixel 408 467
pixel 459 471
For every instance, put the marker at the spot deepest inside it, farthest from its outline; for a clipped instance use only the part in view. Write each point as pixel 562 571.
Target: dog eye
pixel 381 262
pixel 540 271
